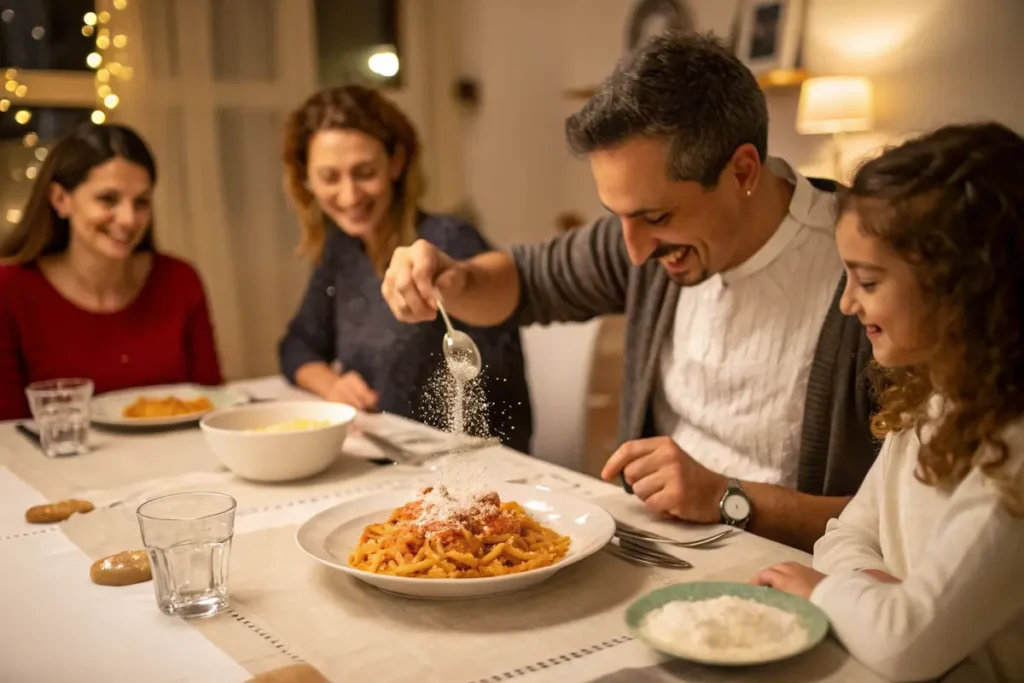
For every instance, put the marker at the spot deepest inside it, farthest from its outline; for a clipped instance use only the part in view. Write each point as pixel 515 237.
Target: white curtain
pixel 213 82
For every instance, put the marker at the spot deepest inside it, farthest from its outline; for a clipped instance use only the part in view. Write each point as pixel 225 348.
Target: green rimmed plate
pixel 813 619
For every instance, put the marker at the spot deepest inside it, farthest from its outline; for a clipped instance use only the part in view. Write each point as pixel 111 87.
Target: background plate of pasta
pixel 443 544
pixel 160 406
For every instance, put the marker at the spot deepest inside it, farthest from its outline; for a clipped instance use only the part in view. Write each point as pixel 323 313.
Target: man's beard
pixel 684 279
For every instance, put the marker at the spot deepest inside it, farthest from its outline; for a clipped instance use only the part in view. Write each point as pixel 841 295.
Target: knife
pixel 30 434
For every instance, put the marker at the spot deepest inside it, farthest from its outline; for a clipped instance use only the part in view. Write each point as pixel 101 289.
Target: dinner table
pixel 291 618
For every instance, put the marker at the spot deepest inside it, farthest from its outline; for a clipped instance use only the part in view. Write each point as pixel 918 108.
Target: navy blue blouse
pixel 344 317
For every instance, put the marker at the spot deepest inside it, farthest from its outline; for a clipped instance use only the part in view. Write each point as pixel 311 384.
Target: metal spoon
pixel 459 349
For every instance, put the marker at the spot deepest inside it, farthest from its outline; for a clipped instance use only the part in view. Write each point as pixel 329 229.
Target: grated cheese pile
pixel 439 509
pixel 726 628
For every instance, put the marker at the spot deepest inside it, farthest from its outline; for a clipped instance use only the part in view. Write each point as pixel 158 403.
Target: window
pixel 45 35
pixel 357 42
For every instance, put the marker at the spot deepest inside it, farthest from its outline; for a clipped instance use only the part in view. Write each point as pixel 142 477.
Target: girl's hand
pixel 791 577
pixel 879 575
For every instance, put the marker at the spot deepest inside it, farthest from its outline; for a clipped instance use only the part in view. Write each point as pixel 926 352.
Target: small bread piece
pixel 297 673
pixel 57 512
pixel 121 569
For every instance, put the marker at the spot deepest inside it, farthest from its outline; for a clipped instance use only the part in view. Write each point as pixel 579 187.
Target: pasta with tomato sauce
pixel 447 535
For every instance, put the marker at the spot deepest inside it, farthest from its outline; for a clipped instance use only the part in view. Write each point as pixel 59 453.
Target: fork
pixel 625 530
pixel 638 552
pixel 408 457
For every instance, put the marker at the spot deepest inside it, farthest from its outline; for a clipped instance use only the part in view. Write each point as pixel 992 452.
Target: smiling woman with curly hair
pixel 921 573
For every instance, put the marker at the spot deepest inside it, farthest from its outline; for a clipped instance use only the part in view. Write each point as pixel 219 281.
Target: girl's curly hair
pixel 353 107
pixel 951 203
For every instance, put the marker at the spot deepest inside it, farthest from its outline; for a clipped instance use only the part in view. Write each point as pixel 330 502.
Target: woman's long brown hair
pixel 41 230
pixel 353 107
pixel 951 203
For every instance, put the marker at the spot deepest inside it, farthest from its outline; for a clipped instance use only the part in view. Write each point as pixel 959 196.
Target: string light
pixel 12 88
pixel 110 67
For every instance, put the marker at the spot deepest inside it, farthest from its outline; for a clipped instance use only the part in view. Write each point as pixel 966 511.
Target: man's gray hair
pixel 686 89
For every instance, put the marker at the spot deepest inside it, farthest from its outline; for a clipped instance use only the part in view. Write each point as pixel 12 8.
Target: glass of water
pixel 188 539
pixel 60 408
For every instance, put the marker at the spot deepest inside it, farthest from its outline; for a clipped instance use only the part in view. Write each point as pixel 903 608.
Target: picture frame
pixel 771 35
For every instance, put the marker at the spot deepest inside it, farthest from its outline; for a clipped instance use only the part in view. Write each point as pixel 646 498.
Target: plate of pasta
pixel 158 406
pixel 443 544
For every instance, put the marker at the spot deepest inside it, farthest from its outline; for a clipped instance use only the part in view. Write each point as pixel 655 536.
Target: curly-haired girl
pixel 922 572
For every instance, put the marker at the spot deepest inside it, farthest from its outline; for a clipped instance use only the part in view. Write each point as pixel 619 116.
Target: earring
pixel 748 193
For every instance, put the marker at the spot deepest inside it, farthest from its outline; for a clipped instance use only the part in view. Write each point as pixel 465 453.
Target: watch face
pixel 736 507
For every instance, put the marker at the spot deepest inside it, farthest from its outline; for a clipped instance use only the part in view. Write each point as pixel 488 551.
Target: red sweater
pixel 163 337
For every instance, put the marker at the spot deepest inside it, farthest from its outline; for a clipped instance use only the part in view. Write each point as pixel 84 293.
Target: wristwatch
pixel 735 506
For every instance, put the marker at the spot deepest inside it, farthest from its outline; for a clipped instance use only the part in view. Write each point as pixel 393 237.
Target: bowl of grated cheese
pixel 278 440
pixel 726 624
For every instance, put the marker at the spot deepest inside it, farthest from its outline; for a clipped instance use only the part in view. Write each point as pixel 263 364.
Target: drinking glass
pixel 60 408
pixel 188 539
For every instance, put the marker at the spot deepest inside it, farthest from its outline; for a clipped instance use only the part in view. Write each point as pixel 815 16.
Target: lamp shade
pixel 835 104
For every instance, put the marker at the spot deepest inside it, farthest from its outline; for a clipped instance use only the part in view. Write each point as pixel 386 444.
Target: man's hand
pixel 411 277
pixel 352 389
pixel 791 577
pixel 668 480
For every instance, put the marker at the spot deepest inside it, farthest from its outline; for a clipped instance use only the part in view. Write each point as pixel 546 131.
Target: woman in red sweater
pixel 83 290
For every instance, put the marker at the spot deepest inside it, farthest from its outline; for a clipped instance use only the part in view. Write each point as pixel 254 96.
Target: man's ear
pixel 746 168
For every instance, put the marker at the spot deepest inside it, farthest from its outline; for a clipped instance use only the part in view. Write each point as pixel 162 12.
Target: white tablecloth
pixel 58 626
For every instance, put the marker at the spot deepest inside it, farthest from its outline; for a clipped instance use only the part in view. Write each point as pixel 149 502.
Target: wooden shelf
pixel 584 93
pixel 782 78
pixel 771 80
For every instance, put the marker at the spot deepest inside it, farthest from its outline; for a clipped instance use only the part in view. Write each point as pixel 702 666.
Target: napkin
pixel 59 624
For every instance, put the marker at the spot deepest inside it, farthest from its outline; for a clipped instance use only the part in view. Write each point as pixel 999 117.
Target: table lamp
pixel 835 105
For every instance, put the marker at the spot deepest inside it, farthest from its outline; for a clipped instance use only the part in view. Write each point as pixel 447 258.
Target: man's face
pixel 692 231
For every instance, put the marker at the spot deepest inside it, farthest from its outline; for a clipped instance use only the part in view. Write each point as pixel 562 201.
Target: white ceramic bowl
pixel 277 456
pixel 330 535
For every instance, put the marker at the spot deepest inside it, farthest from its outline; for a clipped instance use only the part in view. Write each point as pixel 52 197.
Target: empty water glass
pixel 188 539
pixel 60 408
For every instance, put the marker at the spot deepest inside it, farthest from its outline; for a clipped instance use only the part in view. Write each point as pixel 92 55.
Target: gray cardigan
pixel 587 273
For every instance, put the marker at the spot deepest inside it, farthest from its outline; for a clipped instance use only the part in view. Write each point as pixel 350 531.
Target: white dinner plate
pixel 331 535
pixel 107 409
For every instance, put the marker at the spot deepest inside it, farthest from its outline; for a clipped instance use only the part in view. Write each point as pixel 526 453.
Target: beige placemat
pixel 352 631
